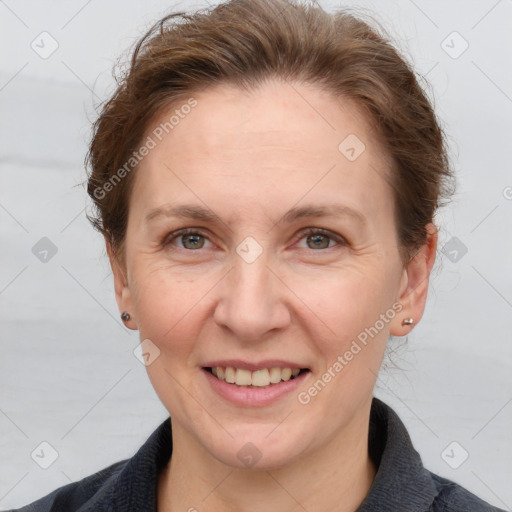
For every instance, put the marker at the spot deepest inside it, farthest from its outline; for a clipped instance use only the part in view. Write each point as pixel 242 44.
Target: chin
pixel 258 450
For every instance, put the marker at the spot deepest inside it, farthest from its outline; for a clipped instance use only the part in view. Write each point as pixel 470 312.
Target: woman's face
pixel 249 288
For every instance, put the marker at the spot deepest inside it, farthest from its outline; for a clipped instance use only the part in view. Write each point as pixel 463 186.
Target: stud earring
pixel 125 316
pixel 407 321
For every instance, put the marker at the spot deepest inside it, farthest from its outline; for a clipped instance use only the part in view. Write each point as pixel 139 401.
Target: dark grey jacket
pixel 402 484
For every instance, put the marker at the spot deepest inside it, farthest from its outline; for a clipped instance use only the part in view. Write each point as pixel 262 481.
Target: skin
pixel 250 157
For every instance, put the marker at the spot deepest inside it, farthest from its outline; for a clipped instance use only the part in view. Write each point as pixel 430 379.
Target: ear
pixel 123 295
pixel 414 285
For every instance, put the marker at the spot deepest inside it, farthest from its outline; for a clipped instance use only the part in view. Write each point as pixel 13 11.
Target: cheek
pixel 352 336
pixel 348 300
pixel 168 307
pixel 171 313
pixel 350 340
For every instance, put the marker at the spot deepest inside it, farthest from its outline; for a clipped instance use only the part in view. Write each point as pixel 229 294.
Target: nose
pixel 253 300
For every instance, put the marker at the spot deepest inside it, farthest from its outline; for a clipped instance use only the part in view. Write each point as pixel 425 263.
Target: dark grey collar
pixel 401 484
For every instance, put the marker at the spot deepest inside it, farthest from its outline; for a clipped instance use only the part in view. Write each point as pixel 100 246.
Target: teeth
pixel 258 378
pixel 243 377
pixel 229 375
pixel 286 373
pixel 275 375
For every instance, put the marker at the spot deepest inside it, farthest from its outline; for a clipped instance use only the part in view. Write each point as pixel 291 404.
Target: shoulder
pixel 129 484
pixel 452 497
pixel 91 489
pixel 402 483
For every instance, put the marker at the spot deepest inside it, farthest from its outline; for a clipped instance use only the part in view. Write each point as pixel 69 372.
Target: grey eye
pixel 318 241
pixel 192 241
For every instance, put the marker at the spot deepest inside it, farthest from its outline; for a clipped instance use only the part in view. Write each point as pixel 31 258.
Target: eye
pixel 191 239
pixel 317 238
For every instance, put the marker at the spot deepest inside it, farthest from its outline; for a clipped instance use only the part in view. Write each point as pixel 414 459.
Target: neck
pixel 336 476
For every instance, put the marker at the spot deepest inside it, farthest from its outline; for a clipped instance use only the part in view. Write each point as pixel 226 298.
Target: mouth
pixel 260 378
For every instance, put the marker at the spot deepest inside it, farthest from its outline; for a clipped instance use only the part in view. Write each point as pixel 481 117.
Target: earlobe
pixel 414 285
pixel 122 290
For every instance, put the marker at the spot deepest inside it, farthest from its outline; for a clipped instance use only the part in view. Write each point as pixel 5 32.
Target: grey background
pixel 68 375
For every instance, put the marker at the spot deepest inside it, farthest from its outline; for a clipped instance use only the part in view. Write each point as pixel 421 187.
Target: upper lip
pixel 253 366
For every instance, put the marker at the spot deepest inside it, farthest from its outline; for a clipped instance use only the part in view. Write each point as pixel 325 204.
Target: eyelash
pixel 167 239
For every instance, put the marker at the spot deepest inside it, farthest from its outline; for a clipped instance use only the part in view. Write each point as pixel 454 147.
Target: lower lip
pixel 253 397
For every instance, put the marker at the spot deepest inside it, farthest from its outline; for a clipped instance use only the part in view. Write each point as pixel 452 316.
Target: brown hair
pixel 244 42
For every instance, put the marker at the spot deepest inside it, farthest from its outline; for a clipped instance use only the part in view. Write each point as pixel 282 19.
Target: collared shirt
pixel 401 484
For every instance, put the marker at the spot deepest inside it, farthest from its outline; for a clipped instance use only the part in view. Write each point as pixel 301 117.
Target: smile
pixel 261 378
pixel 260 384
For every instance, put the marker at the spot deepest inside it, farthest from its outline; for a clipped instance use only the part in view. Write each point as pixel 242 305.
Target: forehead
pixel 279 142
pixel 301 116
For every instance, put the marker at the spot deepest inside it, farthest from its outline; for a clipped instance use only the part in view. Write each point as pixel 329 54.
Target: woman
pixel 266 177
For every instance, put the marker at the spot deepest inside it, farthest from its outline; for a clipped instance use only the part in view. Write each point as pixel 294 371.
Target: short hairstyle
pixel 244 43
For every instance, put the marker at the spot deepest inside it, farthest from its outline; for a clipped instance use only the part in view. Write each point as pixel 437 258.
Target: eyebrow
pixel 196 212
